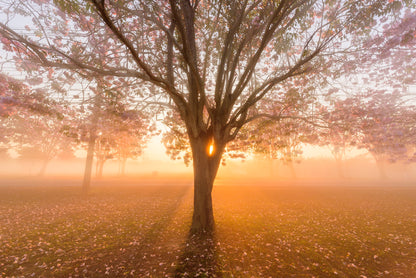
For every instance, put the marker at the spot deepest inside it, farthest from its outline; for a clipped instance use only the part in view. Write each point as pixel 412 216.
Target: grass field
pixel 49 229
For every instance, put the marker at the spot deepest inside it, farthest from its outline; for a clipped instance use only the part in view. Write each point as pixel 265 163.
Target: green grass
pixel 142 231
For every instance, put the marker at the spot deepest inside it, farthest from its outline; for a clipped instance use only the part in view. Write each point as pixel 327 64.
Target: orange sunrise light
pixel 211 148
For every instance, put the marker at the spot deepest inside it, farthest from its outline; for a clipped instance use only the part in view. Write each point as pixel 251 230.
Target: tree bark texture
pixel 205 170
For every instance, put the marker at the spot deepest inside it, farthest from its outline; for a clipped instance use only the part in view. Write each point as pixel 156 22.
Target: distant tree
pixel 111 126
pixel 341 117
pixel 384 127
pixel 17 95
pixel 121 136
pixel 283 140
pixel 9 91
pixel 103 152
pixel 200 57
pixel 68 151
pixel 39 129
pixel 371 107
pixel 134 131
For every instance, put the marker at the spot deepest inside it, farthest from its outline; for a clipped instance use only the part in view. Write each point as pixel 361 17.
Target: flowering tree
pixel 394 48
pixel 341 117
pixel 386 127
pixel 132 138
pixel 33 124
pixel 10 92
pixel 210 61
pixel 110 125
pixel 282 140
pixel 288 125
pixel 121 135
pixel 174 139
pixel 40 137
pixel 372 108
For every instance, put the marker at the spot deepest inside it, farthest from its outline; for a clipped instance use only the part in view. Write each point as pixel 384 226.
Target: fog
pixel 256 171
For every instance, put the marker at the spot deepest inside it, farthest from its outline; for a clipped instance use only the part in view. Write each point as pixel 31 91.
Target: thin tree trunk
pixel 340 168
pixel 100 166
pixel 86 184
pixel 119 166
pixel 292 169
pixel 97 163
pixel 123 167
pixel 43 168
pixel 205 171
pixel 88 164
pixel 381 165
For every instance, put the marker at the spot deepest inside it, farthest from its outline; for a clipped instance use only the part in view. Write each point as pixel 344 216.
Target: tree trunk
pixel 292 169
pixel 88 165
pixel 205 171
pixel 43 168
pixel 99 168
pixel 97 164
pixel 91 144
pixel 340 168
pixel 122 167
pixel 381 166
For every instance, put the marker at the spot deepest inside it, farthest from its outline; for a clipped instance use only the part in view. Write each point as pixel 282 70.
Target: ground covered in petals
pixel 122 229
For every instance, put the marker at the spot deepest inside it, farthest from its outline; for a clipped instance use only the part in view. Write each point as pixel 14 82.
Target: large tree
pixel 211 61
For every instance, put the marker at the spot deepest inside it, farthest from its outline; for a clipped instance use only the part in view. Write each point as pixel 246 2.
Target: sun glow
pixel 211 148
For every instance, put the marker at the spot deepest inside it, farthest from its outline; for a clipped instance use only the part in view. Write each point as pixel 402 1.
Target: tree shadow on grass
pixel 149 253
pixel 200 257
